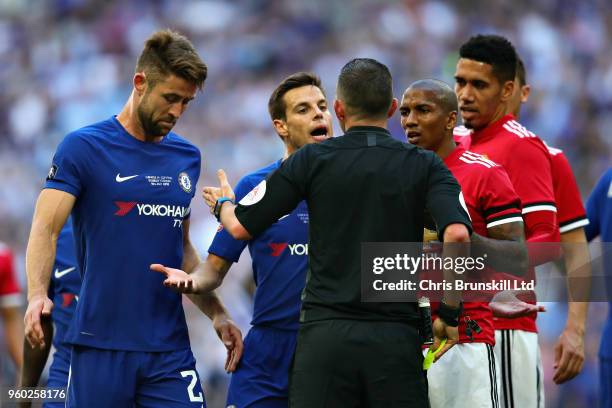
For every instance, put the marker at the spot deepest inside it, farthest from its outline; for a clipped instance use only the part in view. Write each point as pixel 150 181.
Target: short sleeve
pixel 529 170
pixel 499 202
pixel 223 244
pixel 570 211
pixel 67 168
pixel 444 199
pixel 9 288
pixel 276 196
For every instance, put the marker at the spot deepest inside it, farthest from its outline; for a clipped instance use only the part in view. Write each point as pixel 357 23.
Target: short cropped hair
pixel 366 87
pixel 167 52
pixel 494 50
pixel 521 73
pixel 276 103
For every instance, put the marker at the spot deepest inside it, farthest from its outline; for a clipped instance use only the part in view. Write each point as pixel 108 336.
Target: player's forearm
pixel 35 358
pixel 232 224
pixel 502 255
pixel 206 278
pixel 455 235
pixel 578 269
pixel 40 256
pixel 209 304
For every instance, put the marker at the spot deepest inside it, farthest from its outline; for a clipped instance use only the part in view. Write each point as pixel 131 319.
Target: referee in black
pixel 363 186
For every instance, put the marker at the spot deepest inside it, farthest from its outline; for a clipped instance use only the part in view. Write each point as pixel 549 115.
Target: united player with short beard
pixel 484 84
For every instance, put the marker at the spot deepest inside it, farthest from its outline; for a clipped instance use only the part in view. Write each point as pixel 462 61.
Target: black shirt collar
pixel 355 129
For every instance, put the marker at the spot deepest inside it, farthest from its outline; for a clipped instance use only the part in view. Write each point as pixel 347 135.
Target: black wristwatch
pixel 218 205
pixel 449 314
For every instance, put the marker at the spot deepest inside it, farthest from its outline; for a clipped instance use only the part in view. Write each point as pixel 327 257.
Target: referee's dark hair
pixel 276 103
pixel 365 86
pixel 494 50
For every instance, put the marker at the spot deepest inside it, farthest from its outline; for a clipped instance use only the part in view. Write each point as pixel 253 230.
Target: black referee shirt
pixel 364 186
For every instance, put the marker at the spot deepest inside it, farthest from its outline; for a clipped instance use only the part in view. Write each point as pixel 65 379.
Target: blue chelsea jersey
pixel 280 260
pixel 65 285
pixel 599 211
pixel 132 198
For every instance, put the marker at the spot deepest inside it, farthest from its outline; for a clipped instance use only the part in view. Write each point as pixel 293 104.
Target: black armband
pixel 449 314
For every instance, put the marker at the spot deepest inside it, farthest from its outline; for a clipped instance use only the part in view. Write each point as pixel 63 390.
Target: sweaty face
pixel 163 104
pixel 423 119
pixel 479 93
pixel 307 118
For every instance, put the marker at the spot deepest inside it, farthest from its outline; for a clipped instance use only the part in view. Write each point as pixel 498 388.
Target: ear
pixel 281 128
pixel 392 108
pixel 525 91
pixel 339 110
pixel 140 83
pixel 451 121
pixel 507 90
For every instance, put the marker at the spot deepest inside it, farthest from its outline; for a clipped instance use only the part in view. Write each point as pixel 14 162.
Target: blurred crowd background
pixel 68 63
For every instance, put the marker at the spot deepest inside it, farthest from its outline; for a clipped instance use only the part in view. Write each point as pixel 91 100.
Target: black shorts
pixel 358 364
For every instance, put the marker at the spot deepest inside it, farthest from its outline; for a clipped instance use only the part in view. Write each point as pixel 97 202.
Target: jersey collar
pixel 488 132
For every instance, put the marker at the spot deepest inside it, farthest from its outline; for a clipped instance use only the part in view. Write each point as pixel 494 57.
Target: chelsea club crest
pixel 185 182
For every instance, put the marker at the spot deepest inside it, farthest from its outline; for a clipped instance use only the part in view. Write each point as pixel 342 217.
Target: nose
pixel 318 112
pixel 410 120
pixel 176 110
pixel 465 94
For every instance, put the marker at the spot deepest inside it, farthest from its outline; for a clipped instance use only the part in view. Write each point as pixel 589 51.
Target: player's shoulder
pixel 254 177
pixel 519 133
pixel 179 141
pixel 91 133
pixel 522 140
pixel 554 151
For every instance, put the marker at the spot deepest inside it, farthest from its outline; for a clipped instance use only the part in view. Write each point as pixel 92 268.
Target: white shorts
pixel 465 376
pixel 520 368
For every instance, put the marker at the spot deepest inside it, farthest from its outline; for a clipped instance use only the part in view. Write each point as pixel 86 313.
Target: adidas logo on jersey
pixel 521 131
pixel 475 158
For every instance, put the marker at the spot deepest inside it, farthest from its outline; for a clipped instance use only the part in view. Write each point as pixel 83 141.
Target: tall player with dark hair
pixel 128 182
pixel 300 116
pixel 484 83
pixel 571 217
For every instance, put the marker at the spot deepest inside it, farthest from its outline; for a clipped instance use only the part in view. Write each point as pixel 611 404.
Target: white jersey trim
pixel 504 221
pixel 574 225
pixel 12 300
pixel 535 208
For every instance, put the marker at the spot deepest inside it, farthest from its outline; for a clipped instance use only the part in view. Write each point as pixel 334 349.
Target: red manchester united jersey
pixel 570 210
pixel 528 164
pixel 491 201
pixel 9 289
